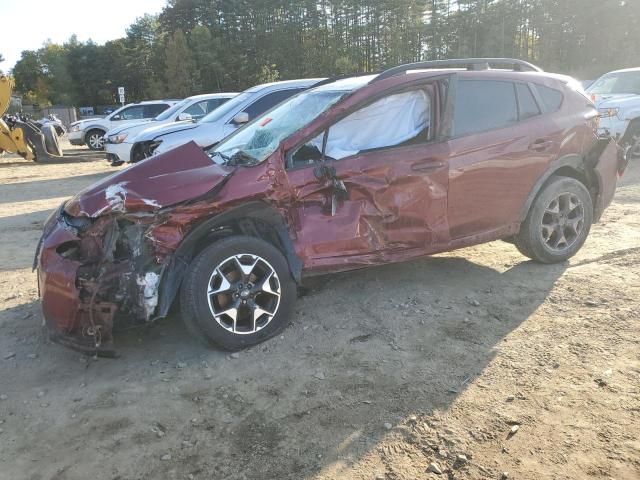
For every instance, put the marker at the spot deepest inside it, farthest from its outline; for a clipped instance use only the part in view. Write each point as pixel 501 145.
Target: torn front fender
pixel 174 177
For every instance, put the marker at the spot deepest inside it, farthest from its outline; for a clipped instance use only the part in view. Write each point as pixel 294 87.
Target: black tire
pixel 631 140
pixel 51 140
pixel 197 306
pixel 569 230
pixel 93 139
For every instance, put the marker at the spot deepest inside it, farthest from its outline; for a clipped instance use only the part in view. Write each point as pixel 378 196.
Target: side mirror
pixel 184 116
pixel 240 118
pixel 116 117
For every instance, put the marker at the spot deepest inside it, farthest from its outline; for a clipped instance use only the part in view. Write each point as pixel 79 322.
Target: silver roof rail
pixel 467 63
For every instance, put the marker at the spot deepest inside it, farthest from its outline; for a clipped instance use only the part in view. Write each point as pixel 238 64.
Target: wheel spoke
pixel 244 293
pixel 560 239
pixel 225 286
pixel 232 313
pixel 246 269
pixel 547 231
pixel 258 311
pixel 265 286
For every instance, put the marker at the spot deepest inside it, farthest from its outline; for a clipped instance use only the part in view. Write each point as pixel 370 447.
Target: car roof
pixel 206 96
pixel 357 82
pixel 625 70
pixel 305 82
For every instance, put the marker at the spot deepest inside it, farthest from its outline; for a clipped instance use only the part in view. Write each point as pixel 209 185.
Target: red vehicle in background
pixel 359 171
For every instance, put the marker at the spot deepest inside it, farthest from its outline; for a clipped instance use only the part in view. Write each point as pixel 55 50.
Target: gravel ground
pixel 469 365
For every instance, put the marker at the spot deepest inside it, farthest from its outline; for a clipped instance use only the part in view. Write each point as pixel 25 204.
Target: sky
pixel 27 24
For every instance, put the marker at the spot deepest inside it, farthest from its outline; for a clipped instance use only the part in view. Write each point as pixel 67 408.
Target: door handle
pixel 426 166
pixel 541 145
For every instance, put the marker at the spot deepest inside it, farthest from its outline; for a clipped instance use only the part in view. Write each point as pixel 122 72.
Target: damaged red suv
pixel 359 171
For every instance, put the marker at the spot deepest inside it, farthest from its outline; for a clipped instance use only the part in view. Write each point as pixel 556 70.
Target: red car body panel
pixel 402 203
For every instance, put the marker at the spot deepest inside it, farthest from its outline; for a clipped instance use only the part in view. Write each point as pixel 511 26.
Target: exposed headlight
pixel 608 112
pixel 119 138
pixel 75 128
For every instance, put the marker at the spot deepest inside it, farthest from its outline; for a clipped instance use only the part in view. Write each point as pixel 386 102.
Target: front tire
pixel 94 140
pixel 238 292
pixel 558 222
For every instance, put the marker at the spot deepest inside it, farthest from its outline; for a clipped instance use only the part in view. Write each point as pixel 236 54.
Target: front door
pixel 392 204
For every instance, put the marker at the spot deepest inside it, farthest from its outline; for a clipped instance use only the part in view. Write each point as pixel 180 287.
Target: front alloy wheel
pixel 244 293
pixel 237 292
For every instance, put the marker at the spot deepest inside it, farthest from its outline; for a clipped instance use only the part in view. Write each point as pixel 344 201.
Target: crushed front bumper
pixel 118 151
pixel 72 316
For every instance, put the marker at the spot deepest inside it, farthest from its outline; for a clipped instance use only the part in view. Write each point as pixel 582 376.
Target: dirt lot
pixel 381 373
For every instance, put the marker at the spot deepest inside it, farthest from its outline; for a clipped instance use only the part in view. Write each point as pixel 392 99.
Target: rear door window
pixel 132 113
pixel 527 106
pixel 482 105
pixel 151 111
pixel 551 98
pixel 269 101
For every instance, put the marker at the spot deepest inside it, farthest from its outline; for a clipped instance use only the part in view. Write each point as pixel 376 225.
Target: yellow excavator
pixel 24 137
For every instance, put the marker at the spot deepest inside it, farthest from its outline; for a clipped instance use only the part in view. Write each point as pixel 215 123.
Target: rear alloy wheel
pixel 558 223
pixel 237 293
pixel 95 140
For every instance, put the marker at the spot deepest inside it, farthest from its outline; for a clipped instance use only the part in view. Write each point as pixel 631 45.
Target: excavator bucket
pixel 24 138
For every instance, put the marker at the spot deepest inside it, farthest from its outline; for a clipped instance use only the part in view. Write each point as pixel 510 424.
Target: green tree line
pixel 198 46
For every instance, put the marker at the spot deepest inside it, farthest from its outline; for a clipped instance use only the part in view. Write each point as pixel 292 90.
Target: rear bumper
pixel 611 164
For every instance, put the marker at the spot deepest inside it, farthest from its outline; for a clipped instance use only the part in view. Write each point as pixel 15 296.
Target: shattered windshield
pixel 260 138
pixel 616 84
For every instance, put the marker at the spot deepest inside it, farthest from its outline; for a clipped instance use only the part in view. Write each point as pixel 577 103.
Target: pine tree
pixel 180 67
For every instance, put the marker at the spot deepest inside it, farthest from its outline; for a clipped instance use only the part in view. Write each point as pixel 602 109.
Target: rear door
pixel 501 143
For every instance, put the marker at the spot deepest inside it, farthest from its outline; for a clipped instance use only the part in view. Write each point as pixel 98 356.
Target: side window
pixel 154 110
pixel 215 103
pixel 197 110
pixel 132 113
pixel 395 120
pixel 269 101
pixel 527 106
pixel 482 105
pixel 551 98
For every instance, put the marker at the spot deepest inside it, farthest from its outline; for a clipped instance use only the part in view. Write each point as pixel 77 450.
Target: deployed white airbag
pixel 385 123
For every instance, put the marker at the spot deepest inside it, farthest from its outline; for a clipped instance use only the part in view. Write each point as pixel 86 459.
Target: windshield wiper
pixel 224 157
pixel 241 158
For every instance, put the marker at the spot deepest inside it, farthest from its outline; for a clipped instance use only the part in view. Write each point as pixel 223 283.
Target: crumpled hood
pixel 154 132
pixel 174 177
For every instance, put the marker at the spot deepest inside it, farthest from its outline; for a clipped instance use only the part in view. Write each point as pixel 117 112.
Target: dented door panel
pixel 396 208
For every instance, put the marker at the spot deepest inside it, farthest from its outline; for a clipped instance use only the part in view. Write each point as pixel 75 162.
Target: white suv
pixel 617 96
pixel 118 140
pixel 219 123
pixel 92 130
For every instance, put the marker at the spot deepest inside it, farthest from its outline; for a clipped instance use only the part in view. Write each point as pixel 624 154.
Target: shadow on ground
pixel 363 349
